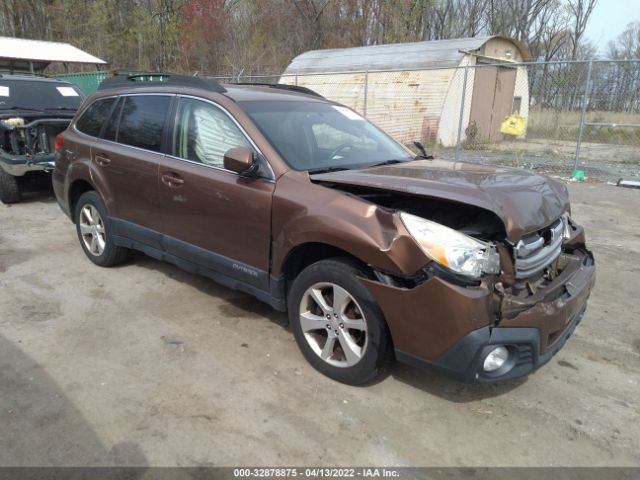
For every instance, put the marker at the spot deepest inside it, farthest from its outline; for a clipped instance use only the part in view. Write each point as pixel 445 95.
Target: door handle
pixel 102 160
pixel 172 180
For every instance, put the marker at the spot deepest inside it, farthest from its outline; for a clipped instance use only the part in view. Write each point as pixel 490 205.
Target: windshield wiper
pixel 61 108
pixel 423 151
pixel 327 170
pixel 23 108
pixel 387 162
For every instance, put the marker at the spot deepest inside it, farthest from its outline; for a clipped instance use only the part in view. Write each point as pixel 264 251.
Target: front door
pixel 211 216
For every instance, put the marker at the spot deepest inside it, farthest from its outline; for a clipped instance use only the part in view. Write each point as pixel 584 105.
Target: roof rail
pixel 282 86
pixel 165 79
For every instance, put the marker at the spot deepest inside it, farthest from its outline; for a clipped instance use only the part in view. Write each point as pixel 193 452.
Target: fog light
pixel 496 359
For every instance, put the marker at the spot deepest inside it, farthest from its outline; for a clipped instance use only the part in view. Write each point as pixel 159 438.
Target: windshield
pixel 319 136
pixel 38 95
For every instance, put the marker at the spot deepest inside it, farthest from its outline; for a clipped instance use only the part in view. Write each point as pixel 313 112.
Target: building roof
pixel 19 53
pixel 394 56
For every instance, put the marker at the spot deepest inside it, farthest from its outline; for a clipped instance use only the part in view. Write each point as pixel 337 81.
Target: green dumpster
pixel 89 81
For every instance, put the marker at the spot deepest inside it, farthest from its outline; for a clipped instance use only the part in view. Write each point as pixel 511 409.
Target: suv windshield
pixel 319 136
pixel 38 95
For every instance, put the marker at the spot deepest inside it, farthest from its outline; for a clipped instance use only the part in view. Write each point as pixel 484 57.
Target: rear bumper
pixel 58 182
pixel 453 328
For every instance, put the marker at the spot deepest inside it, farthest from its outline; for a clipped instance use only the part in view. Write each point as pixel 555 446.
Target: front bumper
pixel 18 165
pixel 464 361
pixel 453 328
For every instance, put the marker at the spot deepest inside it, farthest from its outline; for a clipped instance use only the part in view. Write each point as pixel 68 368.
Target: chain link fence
pixel 555 117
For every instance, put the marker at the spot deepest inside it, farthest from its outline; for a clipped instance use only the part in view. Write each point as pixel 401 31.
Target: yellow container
pixel 513 125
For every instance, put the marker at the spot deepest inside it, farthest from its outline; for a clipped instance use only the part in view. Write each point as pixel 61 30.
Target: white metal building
pixel 421 99
pixel 24 55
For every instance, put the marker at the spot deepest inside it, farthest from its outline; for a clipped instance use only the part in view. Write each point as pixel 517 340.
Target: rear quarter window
pixel 92 119
pixel 142 121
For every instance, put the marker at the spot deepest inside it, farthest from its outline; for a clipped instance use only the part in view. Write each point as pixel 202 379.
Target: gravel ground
pixel 147 365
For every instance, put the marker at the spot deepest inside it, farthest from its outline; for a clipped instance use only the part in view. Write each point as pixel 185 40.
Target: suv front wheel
pixel 9 188
pixel 94 231
pixel 337 323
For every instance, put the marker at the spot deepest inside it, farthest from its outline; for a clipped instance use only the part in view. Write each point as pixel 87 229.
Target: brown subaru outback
pixel 375 252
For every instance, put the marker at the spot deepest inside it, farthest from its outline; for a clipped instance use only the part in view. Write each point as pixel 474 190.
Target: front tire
pixel 94 231
pixel 9 188
pixel 337 323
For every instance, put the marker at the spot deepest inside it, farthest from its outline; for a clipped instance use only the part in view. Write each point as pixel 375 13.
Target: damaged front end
pixel 28 144
pixel 553 299
pixel 494 324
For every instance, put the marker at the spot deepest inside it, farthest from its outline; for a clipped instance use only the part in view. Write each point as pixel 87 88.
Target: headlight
pixel 454 250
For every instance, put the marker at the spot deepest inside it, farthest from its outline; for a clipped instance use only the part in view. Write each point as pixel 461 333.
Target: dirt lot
pixel 147 365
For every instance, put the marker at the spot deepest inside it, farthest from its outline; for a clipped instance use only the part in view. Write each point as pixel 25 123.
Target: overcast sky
pixel 609 19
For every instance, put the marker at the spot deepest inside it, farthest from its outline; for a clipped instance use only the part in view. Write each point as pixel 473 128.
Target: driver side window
pixel 204 133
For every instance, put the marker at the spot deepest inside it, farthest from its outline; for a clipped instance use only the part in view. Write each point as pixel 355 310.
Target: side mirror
pixel 240 160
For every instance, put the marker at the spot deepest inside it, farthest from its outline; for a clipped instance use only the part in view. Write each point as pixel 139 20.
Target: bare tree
pixel 581 10
pixel 311 12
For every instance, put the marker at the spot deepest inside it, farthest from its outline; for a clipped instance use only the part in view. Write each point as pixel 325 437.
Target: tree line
pixel 262 36
pixel 250 37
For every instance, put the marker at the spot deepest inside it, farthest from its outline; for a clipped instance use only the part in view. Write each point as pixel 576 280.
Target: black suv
pixel 33 111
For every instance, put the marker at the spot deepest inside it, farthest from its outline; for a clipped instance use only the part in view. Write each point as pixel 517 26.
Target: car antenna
pixel 423 152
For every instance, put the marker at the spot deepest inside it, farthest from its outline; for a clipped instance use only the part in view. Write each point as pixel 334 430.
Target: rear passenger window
pixel 94 117
pixel 111 129
pixel 142 121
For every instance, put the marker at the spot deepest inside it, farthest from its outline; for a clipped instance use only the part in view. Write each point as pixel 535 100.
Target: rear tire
pixel 95 232
pixel 9 188
pixel 337 323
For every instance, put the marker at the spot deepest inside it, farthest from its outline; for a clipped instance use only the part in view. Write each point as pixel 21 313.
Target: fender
pixel 85 171
pixel 372 234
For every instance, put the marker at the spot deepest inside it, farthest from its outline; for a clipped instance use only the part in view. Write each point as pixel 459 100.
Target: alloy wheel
pixel 92 230
pixel 333 324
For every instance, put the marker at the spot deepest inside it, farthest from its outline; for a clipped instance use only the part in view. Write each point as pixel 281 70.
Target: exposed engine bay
pixel 542 249
pixel 28 144
pixel 29 136
pixel 468 219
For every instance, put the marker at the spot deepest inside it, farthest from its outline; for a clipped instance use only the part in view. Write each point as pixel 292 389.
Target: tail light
pixel 59 143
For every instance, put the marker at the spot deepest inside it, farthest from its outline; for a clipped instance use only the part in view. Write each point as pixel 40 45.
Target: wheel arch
pixel 303 255
pixel 76 189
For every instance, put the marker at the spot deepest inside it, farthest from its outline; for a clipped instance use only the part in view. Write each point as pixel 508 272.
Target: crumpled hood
pixel 525 201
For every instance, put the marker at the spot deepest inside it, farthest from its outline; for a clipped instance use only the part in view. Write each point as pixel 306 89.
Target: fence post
pixel 464 93
pixel 587 91
pixel 366 92
pixel 296 79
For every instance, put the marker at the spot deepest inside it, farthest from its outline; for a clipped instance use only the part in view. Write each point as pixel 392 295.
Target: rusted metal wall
pixel 408 104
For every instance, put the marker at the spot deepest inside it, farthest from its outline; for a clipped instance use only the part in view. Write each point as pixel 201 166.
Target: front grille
pixel 536 251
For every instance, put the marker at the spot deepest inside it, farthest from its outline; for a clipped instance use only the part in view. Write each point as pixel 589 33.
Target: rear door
pixel 127 158
pixel 212 216
pixel 82 138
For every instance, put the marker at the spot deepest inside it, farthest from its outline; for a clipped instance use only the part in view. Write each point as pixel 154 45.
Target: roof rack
pixel 282 86
pixel 165 79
